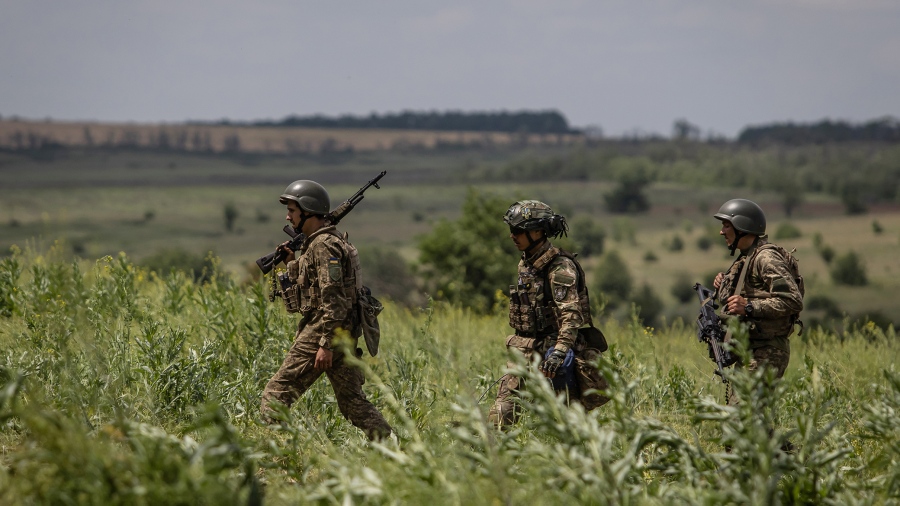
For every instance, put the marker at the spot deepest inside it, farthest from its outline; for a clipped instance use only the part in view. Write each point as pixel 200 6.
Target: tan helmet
pixel 309 195
pixel 535 215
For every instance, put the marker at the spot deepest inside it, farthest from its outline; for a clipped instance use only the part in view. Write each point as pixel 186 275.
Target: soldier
pixel 763 286
pixel 550 312
pixel 324 290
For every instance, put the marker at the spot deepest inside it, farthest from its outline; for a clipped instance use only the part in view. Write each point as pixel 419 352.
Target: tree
pixel 466 261
pixel 612 279
pixel 629 196
pixel 849 270
pixel 230 213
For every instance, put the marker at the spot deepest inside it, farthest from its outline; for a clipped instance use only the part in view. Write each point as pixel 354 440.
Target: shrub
pixel 827 253
pixel 589 236
pixel 467 260
pixel 849 270
pixel 822 303
pixel 704 242
pixel 649 306
pixel 676 244
pixel 387 274
pixel 683 288
pixel 199 267
pixel 787 230
pixel 876 227
pixel 612 279
pixel 230 213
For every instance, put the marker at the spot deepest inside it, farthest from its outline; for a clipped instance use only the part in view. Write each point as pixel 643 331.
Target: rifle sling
pixel 738 288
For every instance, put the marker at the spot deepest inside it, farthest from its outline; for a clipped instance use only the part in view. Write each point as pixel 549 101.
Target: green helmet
pixel 309 195
pixel 535 215
pixel 744 215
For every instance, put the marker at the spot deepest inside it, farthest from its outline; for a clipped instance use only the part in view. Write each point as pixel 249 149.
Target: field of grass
pixel 141 202
pixel 117 387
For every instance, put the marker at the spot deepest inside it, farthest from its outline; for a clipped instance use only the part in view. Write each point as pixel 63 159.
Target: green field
pixel 118 386
pixel 102 203
pixel 121 388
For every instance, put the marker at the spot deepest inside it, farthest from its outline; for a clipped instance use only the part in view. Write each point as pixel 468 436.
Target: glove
pixel 553 362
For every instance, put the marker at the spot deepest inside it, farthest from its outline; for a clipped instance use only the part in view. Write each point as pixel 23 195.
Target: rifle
pixel 711 331
pixel 268 262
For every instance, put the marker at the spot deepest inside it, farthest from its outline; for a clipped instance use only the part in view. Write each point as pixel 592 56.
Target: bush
pixel 877 228
pixel 386 273
pixel 849 270
pixel 612 279
pixel 704 242
pixel 683 288
pixel 676 244
pixel 822 303
pixel 230 213
pixel 589 236
pixel 466 261
pixel 199 267
pixel 787 230
pixel 649 305
pixel 827 253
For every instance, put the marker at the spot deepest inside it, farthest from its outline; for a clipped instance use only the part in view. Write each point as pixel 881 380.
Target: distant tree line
pixel 537 122
pixel 879 130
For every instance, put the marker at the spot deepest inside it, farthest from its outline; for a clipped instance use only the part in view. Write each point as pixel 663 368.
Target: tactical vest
pixel 768 328
pixel 304 295
pixel 532 312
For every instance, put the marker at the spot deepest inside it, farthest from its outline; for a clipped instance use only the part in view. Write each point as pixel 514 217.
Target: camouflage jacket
pixel 327 274
pixel 550 298
pixel 772 290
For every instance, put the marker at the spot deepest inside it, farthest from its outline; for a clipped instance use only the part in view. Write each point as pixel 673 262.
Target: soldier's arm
pixel 328 259
pixel 563 280
pixel 784 296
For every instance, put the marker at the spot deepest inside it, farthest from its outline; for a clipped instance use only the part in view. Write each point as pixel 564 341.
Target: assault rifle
pixel 711 331
pixel 268 262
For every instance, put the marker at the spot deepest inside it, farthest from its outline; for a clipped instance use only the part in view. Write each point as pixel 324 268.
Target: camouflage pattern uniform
pixel 776 298
pixel 326 276
pixel 548 306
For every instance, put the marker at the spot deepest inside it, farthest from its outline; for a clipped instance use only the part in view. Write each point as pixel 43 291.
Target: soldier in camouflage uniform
pixel 771 296
pixel 550 312
pixel 325 279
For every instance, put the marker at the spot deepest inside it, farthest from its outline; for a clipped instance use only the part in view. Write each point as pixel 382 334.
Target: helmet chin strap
pixel 738 235
pixel 532 243
pixel 303 218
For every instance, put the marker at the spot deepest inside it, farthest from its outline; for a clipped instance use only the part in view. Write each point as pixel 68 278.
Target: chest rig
pixel 301 290
pixel 532 310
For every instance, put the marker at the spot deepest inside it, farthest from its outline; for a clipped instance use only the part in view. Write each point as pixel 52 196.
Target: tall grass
pixel 118 387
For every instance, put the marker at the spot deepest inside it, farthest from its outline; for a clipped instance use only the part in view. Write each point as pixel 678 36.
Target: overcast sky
pixel 623 65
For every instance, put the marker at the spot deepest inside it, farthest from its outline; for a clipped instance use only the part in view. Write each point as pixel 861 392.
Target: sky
pixel 625 66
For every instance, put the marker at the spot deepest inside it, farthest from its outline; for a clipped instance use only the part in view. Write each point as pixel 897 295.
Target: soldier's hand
pixel 718 280
pixel 288 252
pixel 323 359
pixel 735 305
pixel 553 363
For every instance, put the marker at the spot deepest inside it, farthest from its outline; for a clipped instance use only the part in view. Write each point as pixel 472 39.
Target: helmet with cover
pixel 309 195
pixel 535 215
pixel 744 215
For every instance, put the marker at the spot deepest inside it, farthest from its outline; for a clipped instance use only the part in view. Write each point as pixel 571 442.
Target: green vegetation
pixel 118 387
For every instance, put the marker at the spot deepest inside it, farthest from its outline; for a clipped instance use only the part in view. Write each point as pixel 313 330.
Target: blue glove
pixel 559 366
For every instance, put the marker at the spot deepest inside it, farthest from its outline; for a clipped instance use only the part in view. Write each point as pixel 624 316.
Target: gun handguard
pixel 711 331
pixel 268 262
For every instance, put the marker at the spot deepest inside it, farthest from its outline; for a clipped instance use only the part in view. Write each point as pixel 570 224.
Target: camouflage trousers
pixel 297 375
pixel 767 356
pixel 505 410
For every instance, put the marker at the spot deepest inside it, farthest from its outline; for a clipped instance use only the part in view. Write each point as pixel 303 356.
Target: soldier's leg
pixel 773 358
pixel 293 378
pixel 589 378
pixel 505 410
pixel 347 382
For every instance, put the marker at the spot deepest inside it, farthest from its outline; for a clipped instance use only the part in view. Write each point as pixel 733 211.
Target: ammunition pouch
pixel 369 308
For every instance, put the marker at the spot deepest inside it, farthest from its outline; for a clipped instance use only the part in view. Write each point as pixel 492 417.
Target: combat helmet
pixel 745 216
pixel 535 215
pixel 309 195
